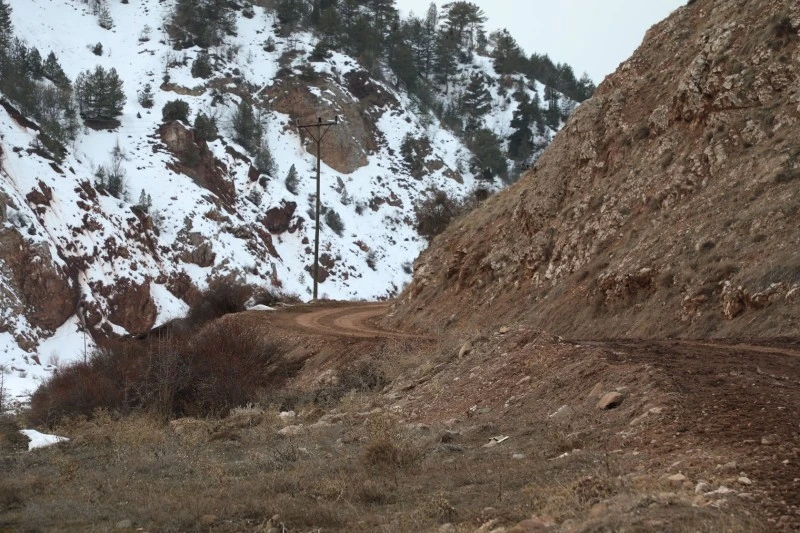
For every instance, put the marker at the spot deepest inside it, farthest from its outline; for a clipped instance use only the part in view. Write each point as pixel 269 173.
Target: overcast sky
pixel 594 36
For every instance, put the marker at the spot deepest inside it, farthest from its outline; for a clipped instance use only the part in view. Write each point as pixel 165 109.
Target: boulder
pixel 610 401
pixel 465 349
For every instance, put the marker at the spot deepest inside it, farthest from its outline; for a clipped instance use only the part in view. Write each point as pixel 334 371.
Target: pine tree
pixel 146 97
pixel 553 112
pixel 51 69
pixel 205 128
pixel 145 202
pixel 464 19
pixel 334 221
pixel 116 173
pixel 289 12
pixel 113 98
pixel 401 61
pixel 330 26
pixel 247 129
pixel 586 87
pixel 488 161
pixel 446 51
pixel 263 160
pixel 384 15
pixel 428 44
pixel 476 101
pixel 203 22
pixel 292 180
pixel 201 66
pixel 6 28
pixel 507 54
pixel 99 93
pixel 33 64
pixel 175 110
pixel 101 181
pixel 104 19
pixel 527 114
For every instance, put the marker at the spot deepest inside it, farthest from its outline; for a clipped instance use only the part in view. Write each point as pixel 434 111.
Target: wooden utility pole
pixel 321 128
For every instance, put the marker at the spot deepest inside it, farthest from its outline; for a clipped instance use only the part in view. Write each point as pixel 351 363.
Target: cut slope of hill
pixel 667 206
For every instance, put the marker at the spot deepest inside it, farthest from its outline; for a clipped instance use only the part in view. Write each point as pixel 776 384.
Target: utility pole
pixel 321 128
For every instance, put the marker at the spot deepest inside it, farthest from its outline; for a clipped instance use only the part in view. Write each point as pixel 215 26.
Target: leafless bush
pixel 437 211
pixel 173 375
pixel 223 296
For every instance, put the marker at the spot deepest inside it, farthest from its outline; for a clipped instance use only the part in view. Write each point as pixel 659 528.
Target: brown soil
pixel 727 401
pixel 412 455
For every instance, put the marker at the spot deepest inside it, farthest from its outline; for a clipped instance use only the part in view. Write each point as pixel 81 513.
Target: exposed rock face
pixel 199 250
pixel 197 161
pixel 279 219
pixel 40 287
pixel 666 206
pixel 131 307
pixel 346 145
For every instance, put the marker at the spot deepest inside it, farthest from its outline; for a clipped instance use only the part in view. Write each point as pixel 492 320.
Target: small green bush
pixel 205 128
pixel 175 110
pixel 201 66
pixel 334 221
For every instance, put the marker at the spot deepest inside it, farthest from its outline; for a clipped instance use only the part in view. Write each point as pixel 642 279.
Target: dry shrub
pixel 362 376
pixel 437 211
pixel 388 449
pixel 11 440
pixel 226 369
pixel 373 492
pixel 107 380
pixel 11 494
pixel 136 431
pixel 270 298
pixel 223 296
pixel 170 376
pixel 439 507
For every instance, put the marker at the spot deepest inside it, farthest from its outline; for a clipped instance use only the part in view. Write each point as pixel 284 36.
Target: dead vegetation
pixel 398 440
pixel 199 366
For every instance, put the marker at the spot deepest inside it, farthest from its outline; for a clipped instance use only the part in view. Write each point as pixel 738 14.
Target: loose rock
pixel 677 479
pixel 292 431
pixel 465 350
pixel 702 487
pixel 610 401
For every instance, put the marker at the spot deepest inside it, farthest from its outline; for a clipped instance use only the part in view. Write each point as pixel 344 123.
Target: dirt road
pixel 354 320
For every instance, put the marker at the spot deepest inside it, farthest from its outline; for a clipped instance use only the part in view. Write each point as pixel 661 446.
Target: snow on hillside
pixel 134 271
pixel 98 240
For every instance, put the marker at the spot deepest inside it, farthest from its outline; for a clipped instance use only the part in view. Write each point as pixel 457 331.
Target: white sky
pixel 594 36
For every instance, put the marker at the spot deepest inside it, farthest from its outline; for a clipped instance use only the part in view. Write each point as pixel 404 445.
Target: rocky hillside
pixel 192 208
pixel 667 206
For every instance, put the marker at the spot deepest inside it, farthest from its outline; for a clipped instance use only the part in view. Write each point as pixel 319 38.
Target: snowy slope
pixel 111 255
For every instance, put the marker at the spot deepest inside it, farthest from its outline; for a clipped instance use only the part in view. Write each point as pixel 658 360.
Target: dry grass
pixel 365 473
pixel 369 465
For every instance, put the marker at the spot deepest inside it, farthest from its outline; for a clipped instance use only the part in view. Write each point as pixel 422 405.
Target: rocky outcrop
pixel 130 306
pixel 196 161
pixel 347 145
pixel 197 250
pixel 666 206
pixel 278 220
pixel 40 287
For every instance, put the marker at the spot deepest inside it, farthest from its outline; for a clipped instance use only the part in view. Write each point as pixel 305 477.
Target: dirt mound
pixel 666 207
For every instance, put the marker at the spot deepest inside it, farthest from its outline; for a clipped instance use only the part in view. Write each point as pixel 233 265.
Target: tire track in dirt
pixel 351 321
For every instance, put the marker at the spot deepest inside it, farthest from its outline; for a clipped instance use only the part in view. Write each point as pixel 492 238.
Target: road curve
pixel 350 320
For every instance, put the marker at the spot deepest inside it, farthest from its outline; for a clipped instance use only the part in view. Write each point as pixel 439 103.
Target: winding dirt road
pixel 341 319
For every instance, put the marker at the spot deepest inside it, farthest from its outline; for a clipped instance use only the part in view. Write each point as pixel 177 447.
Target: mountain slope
pixel 667 206
pixel 192 211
